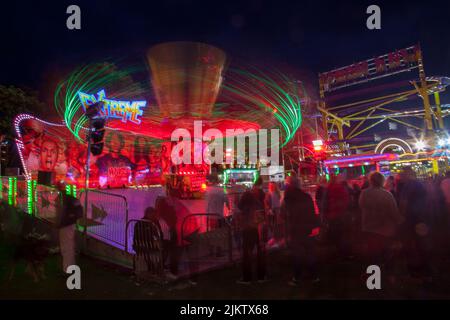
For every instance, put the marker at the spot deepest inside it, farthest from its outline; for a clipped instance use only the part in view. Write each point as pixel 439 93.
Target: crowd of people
pixel 400 224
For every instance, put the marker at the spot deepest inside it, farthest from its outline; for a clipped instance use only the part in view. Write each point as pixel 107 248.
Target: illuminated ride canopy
pixel 189 83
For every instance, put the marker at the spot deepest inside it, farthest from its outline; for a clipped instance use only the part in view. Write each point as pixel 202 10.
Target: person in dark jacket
pixel 70 210
pixel 298 207
pixel 320 196
pixel 167 213
pixel 250 206
pixel 337 215
pixel 416 234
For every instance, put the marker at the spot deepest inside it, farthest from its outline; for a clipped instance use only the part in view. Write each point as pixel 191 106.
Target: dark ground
pixel 339 280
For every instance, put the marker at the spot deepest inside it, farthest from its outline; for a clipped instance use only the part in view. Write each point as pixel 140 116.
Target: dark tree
pixel 14 101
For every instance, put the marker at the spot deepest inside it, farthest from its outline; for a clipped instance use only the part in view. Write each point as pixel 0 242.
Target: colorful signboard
pixel 371 69
pixel 116 109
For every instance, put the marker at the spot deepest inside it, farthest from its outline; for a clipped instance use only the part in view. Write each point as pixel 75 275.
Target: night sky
pixel 311 36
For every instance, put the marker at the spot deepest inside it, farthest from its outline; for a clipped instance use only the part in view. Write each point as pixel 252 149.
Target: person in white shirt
pixel 216 199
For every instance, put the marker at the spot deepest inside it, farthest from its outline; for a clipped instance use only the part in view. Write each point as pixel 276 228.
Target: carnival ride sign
pixel 382 66
pixel 127 158
pixel 123 110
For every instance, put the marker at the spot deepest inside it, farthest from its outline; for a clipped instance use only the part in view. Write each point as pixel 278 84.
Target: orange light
pixel 204 186
pixel 317 145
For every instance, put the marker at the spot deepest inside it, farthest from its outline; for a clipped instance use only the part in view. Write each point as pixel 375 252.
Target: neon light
pixel 30 195
pixel 71 190
pixel 19 143
pixel 124 110
pixel 317 145
pixel 362 158
pixel 12 182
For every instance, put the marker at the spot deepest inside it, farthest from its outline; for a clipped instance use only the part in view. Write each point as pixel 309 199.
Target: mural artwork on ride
pixel 127 158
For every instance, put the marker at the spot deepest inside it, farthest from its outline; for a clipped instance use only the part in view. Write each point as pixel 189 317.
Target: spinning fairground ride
pixel 378 115
pixel 169 130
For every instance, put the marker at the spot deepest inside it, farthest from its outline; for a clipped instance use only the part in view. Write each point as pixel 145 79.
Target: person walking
pixel 380 220
pixel 168 215
pixel 69 211
pixel 250 206
pixel 412 202
pixel 389 185
pixel 336 215
pixel 298 207
pixel 445 189
pixel 216 199
pixel 273 205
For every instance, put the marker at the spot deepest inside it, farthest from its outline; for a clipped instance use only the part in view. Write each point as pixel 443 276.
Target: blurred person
pixel 69 211
pixel 365 184
pixel 355 211
pixel 273 205
pixel 250 206
pixel 445 187
pixel 167 213
pixel 389 184
pixel 437 217
pixel 380 219
pixel 216 199
pixel 320 195
pixel 301 220
pixel 336 215
pixel 412 203
pixel 259 194
pixel 260 197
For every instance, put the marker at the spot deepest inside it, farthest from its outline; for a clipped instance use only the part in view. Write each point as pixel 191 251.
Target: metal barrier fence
pixel 147 249
pixel 8 190
pixel 106 216
pixel 26 195
pixel 4 188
